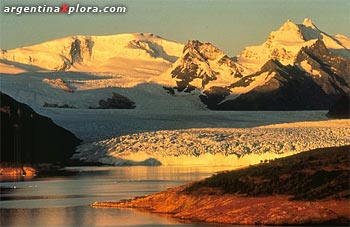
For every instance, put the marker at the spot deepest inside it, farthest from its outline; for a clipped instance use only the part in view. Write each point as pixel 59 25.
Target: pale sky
pixel 228 24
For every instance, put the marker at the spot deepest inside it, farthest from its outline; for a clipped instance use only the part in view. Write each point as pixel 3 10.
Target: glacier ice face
pixel 216 146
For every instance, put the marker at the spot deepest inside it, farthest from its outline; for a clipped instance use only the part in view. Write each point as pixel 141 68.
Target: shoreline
pixel 15 171
pixel 217 208
pixel 18 170
pixel 309 188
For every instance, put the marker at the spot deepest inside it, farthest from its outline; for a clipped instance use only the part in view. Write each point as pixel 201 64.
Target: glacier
pixel 217 146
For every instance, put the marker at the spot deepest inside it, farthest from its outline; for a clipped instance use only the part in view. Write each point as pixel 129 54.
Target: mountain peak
pixel 205 50
pixel 202 65
pixel 193 44
pixel 289 26
pixel 308 23
pixel 285 44
pixel 271 65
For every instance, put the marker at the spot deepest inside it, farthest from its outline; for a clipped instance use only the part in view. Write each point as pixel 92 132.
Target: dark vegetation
pixel 312 175
pixel 27 137
pixel 55 105
pixel 341 109
pixel 169 90
pixel 116 102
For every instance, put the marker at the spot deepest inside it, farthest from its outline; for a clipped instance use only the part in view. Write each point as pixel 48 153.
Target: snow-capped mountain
pixel 298 67
pixel 284 45
pixel 127 54
pixel 315 80
pixel 203 65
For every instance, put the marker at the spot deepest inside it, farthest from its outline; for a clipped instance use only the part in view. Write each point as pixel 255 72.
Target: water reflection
pixel 6 178
pixel 64 200
pixel 82 216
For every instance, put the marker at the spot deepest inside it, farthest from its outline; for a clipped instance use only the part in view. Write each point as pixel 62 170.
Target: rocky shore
pixel 310 188
pixel 17 170
pixel 214 207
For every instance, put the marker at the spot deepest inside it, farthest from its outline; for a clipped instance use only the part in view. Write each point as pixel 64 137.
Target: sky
pixel 228 24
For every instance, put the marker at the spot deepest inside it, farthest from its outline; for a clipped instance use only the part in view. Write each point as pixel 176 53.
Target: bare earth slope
pixel 307 188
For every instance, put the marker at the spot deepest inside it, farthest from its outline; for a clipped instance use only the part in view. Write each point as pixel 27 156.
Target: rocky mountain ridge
pixel 298 67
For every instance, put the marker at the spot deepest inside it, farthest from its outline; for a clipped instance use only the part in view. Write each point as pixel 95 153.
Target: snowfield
pixel 138 54
pixel 155 108
pixel 84 90
pixel 216 146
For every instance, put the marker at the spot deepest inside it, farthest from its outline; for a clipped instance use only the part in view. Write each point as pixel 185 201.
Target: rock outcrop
pixel 341 109
pixel 27 137
pixel 116 102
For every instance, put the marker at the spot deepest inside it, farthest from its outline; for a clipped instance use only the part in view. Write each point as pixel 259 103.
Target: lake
pixel 64 200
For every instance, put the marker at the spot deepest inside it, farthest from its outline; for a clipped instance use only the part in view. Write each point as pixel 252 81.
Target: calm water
pixel 64 200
